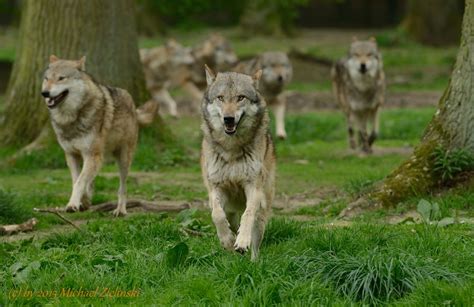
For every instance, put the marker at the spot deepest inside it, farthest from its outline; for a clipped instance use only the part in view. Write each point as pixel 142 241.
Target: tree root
pixel 23 227
pixel 149 206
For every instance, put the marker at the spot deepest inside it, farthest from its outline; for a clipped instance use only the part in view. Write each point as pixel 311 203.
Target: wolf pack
pixel 92 120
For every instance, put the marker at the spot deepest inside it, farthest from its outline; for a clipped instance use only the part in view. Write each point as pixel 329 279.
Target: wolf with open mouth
pixel 237 159
pixel 91 120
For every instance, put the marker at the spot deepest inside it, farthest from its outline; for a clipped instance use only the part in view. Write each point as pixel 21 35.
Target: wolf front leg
pixel 279 107
pixel 164 96
pixel 374 122
pixel 216 202
pixel 251 228
pixel 92 164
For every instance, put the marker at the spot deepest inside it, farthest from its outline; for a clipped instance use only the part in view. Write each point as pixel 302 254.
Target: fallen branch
pixel 144 204
pixel 24 227
pixel 56 211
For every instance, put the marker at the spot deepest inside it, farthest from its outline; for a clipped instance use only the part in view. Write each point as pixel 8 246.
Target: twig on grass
pixel 56 212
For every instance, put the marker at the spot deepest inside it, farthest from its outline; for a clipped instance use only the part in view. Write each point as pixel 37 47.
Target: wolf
pixel 359 87
pixel 167 67
pixel 217 53
pixel 90 120
pixel 237 159
pixel 277 73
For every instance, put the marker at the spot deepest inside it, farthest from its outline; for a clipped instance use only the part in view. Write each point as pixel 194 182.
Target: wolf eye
pixel 221 98
pixel 61 78
pixel 240 97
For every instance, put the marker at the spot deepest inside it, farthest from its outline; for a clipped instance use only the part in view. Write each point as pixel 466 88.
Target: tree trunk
pixel 434 22
pixel 452 127
pixel 103 30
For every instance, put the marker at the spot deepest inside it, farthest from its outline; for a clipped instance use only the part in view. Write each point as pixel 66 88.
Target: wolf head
pixel 62 79
pixel 276 68
pixel 217 52
pixel 232 102
pixel 364 58
pixel 178 54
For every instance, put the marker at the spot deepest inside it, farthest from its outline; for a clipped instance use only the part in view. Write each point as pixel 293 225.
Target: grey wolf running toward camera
pixel 90 120
pixel 166 67
pixel 237 159
pixel 359 86
pixel 277 73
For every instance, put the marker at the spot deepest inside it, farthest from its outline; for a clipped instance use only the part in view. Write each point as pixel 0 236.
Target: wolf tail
pixel 147 113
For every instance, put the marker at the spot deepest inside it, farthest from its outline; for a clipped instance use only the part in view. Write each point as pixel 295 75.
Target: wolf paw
pixel 119 212
pixel 242 244
pixel 281 135
pixel 228 242
pixel 73 207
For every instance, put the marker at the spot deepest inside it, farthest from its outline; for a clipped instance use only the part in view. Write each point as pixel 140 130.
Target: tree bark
pixel 103 30
pixel 434 22
pixel 452 127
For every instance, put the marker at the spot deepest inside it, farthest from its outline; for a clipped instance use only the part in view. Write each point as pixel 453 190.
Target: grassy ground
pixel 307 256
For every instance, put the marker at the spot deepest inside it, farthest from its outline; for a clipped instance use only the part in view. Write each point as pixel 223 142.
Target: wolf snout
pixel 45 94
pixel 229 120
pixel 363 68
pixel 280 78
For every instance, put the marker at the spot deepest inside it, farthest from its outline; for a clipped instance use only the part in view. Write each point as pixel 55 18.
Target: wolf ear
pixel 210 75
pixel 81 64
pixel 372 39
pixel 53 58
pixel 256 77
pixel 354 39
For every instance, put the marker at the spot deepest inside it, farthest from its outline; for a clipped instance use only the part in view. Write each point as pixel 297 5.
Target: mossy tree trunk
pixel 452 127
pixel 103 30
pixel 434 22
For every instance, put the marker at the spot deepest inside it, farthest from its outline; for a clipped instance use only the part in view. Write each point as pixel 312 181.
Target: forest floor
pixel 309 256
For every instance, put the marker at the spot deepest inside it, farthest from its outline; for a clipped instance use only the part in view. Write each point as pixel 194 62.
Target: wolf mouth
pixel 231 129
pixel 53 102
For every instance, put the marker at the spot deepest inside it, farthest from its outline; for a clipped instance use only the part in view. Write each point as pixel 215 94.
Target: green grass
pixel 300 264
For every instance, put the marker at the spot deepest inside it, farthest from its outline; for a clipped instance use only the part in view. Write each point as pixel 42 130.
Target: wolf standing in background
pixel 89 120
pixel 166 67
pixel 359 86
pixel 277 73
pixel 237 159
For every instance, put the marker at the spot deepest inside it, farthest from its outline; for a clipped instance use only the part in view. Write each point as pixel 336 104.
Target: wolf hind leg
pixel 124 159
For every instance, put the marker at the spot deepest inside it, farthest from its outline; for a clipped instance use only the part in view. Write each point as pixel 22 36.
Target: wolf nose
pixel 363 67
pixel 45 94
pixel 229 120
pixel 280 78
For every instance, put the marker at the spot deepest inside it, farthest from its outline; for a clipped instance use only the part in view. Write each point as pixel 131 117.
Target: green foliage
pixel 187 14
pixel 449 163
pixel 431 213
pixel 376 276
pixel 11 210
